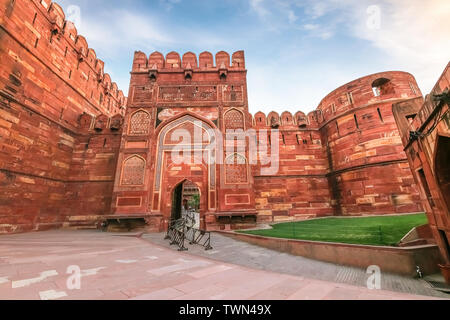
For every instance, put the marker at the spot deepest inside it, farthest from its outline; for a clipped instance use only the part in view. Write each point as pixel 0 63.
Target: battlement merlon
pixel 286 120
pixel 174 62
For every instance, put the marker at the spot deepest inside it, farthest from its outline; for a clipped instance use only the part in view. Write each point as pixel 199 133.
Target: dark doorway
pixel 443 168
pixel 446 244
pixel 177 202
pixel 185 198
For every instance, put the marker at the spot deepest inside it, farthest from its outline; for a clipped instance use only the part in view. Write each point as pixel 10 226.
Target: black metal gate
pixel 183 229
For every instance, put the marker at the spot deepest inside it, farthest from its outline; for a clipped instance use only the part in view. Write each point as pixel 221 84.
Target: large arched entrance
pixel 185 153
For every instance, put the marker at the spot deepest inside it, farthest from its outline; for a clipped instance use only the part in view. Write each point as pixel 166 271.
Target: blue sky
pixel 297 51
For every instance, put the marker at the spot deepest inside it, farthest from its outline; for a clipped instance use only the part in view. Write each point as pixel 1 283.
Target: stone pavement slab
pixel 241 253
pixel 35 266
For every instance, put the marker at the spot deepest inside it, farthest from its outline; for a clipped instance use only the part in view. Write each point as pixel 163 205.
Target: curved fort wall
pixel 368 169
pixel 60 121
pixel 344 158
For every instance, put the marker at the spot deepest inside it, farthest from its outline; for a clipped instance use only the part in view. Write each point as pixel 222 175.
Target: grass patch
pixel 385 230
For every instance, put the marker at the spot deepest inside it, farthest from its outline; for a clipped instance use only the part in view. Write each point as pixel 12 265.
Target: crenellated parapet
pixel 372 90
pixel 353 140
pixel 174 62
pixel 286 121
pixel 41 27
pixel 101 123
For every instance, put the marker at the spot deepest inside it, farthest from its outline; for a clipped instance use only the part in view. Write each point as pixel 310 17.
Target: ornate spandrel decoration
pixel 234 119
pixel 133 172
pixel 140 123
pixel 236 169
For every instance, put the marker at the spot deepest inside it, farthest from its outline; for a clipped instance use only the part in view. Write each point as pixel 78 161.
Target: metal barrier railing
pixel 183 229
pixel 199 237
pixel 176 233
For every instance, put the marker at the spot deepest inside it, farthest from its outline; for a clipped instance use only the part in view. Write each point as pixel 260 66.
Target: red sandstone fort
pixel 75 151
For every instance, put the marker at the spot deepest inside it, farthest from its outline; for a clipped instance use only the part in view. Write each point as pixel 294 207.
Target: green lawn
pixel 385 230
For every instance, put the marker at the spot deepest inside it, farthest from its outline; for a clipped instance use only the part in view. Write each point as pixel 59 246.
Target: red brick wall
pixel 300 188
pixel 48 172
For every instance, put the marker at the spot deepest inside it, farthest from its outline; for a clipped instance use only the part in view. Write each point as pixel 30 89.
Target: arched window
pixel 236 169
pixel 382 86
pixel 133 170
pixel 234 119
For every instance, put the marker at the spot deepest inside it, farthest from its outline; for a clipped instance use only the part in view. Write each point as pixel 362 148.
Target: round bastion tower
pixel 368 170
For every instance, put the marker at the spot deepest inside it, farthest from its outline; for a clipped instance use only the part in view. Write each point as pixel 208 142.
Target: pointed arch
pixel 234 119
pixel 139 123
pixel 133 171
pixel 163 149
pixel 183 181
pixel 236 169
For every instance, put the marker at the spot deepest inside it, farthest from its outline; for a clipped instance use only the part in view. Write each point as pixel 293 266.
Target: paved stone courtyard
pixel 241 253
pixel 34 266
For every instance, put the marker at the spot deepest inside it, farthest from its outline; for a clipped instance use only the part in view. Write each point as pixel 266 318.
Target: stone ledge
pixel 403 261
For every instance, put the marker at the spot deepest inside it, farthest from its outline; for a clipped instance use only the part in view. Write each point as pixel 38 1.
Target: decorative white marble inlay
pixel 52 295
pixel 91 272
pixel 27 282
pixel 126 261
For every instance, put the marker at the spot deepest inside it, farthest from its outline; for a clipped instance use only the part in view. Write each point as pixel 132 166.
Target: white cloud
pixel 292 17
pixel 414 34
pixel 318 9
pixel 110 32
pixel 310 26
pixel 413 37
pixel 169 4
pixel 259 8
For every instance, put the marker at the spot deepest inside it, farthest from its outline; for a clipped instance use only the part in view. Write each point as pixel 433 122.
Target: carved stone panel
pixel 140 123
pixel 236 170
pixel 234 119
pixel 133 171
